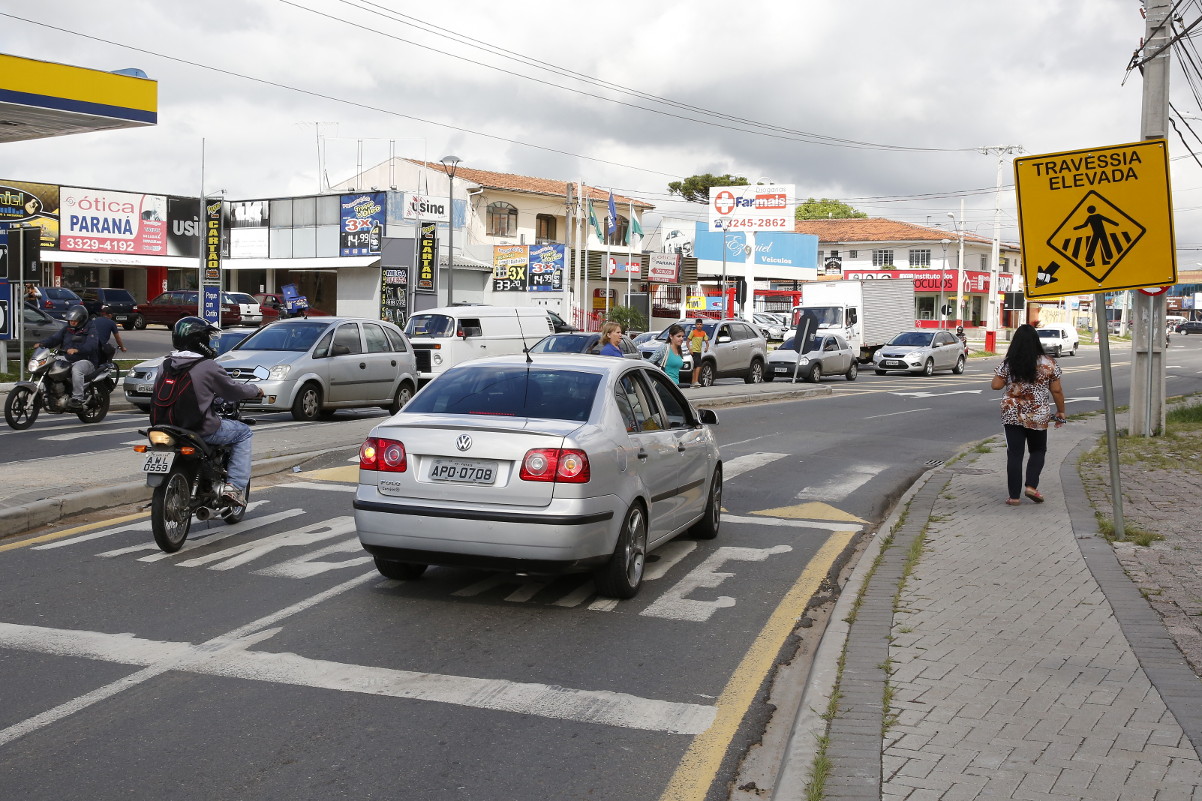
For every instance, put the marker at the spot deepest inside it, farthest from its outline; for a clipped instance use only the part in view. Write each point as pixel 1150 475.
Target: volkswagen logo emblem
pixel 464 442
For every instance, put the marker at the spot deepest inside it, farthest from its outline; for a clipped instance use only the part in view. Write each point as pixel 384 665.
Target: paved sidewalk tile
pixel 1012 678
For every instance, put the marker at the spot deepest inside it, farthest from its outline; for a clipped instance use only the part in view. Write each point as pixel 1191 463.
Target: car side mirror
pixel 708 416
pixel 723 339
pixel 262 373
pixel 339 350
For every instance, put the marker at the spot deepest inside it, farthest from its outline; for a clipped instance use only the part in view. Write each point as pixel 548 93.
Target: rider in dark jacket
pixel 195 355
pixel 79 345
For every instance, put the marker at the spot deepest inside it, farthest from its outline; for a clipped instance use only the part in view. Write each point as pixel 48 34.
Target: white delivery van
pixel 444 337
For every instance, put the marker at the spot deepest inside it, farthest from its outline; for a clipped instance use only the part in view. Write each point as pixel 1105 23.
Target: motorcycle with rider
pixel 70 371
pixel 198 459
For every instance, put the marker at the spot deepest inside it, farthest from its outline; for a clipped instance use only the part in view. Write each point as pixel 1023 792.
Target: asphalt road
pixel 269 660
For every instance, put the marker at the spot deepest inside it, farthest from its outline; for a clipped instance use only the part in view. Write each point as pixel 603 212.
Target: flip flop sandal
pixel 1034 495
pixel 1013 501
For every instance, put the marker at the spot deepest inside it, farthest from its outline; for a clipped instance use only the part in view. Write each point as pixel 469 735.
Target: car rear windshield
pixel 1049 333
pixel 292 337
pixel 515 391
pixel 563 343
pixel 914 339
pixel 58 293
pixel 117 296
pixel 240 297
pixel 430 325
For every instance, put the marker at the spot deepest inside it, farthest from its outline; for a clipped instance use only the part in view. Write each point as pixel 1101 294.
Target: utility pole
pixel 992 312
pixel 1148 323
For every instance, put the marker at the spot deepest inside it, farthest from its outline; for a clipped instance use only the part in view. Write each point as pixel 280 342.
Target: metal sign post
pixel 1112 442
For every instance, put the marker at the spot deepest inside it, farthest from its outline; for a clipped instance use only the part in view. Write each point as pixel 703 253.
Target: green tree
pixel 696 188
pixel 826 208
pixel 630 318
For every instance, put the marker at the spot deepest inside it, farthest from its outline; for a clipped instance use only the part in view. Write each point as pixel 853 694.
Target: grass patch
pixel 1131 532
pixel 815 788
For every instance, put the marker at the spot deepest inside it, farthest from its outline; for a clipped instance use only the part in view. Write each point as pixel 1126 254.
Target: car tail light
pixel 564 465
pixel 384 455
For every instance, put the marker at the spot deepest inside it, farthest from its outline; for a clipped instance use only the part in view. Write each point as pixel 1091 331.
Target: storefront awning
pixel 338 263
pixel 118 259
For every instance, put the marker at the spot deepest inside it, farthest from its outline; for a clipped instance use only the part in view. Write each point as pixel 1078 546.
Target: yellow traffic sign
pixel 1096 220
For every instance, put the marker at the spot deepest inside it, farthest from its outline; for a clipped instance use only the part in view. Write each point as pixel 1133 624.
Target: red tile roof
pixel 878 229
pixel 536 186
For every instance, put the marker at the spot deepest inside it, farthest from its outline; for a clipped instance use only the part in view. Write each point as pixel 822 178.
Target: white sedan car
pixel 559 464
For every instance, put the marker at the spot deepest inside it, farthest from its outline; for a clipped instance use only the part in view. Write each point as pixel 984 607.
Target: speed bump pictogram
pixel 1096 220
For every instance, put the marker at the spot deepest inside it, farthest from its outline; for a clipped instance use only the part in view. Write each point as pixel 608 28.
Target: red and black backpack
pixel 174 402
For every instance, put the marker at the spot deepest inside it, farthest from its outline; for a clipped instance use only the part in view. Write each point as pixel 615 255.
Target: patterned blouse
pixel 1026 404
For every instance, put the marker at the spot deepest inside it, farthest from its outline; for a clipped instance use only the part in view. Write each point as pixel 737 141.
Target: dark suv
pixel 119 301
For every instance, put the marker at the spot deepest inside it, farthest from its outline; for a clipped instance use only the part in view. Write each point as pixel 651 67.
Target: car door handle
pixel 642 454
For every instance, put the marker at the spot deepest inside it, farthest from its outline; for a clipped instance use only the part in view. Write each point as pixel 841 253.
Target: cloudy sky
pixel 881 103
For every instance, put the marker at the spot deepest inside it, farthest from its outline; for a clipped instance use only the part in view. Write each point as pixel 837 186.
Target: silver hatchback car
pixel 319 364
pixel 560 464
pixel 921 351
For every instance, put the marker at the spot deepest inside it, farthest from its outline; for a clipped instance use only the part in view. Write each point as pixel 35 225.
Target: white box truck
pixel 867 313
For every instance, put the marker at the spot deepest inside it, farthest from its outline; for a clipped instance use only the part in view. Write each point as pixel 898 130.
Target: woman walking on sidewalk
pixel 1033 399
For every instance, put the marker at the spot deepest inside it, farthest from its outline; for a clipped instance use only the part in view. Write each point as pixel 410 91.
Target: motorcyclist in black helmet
pixel 963 339
pixel 193 356
pixel 79 345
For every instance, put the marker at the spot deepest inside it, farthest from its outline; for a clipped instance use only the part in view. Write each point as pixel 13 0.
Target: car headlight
pixel 914 354
pixel 804 360
pixel 437 358
pixel 131 372
pixel 280 372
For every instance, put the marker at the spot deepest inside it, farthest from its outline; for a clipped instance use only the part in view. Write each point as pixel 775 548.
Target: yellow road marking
pixel 348 473
pixel 67 532
pixel 701 762
pixel 810 511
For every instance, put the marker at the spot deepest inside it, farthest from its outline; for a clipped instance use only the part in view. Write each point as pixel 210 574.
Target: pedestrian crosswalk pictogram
pixel 1097 220
pixel 1096 236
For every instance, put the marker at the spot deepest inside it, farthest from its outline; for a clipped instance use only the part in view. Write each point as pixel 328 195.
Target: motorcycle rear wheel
pixel 21 408
pixel 232 516
pixel 171 512
pixel 96 408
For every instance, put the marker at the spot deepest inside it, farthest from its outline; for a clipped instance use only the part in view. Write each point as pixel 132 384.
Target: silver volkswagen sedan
pixel 551 464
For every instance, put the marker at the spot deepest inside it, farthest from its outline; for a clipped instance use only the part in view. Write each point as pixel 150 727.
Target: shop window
pixel 280 243
pixel 502 219
pixel 619 235
pixel 281 213
pixel 304 211
pixel 327 210
pixel 304 243
pixel 328 240
pixel 544 228
pixel 920 258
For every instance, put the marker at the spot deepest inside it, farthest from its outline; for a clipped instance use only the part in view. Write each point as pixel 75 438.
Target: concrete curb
pixel 808 726
pixel 17 519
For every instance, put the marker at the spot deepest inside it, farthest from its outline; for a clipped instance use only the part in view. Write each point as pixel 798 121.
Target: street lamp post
pixel 450 164
pixel 943 273
pixel 959 226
